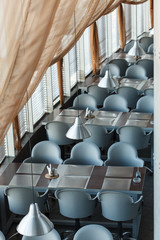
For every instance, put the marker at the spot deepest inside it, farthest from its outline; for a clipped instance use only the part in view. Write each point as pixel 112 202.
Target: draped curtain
pixel 34 35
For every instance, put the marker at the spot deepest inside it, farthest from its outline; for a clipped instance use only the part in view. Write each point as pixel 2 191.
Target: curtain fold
pixel 94 46
pixel 152 13
pixel 121 26
pixel 38 35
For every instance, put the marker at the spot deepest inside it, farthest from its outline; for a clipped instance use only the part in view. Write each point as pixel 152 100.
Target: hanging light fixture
pixel 107 81
pixel 78 130
pixel 34 223
pixel 136 51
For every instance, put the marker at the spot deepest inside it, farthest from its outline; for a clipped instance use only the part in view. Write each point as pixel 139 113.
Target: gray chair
pixel 116 103
pixel 46 152
pixel 128 46
pixel 150 49
pixel 100 135
pixel 119 207
pixel 136 72
pixel 20 198
pixel 56 132
pixel 113 68
pixel 49 236
pixel 149 91
pixel 84 101
pixel 99 93
pixel 93 232
pixel 85 153
pixel 135 136
pixel 123 154
pixel 145 104
pixel 145 42
pixel 148 65
pixel 122 64
pixel 75 204
pixel 130 94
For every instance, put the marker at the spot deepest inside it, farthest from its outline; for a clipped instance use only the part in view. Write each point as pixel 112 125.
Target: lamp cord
pixel 30 150
pixel 76 59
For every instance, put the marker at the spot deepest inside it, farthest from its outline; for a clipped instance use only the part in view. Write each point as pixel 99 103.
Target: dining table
pixel 92 179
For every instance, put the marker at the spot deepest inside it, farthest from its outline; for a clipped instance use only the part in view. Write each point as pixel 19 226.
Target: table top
pixel 131 59
pixel 139 84
pixel 108 119
pixel 89 178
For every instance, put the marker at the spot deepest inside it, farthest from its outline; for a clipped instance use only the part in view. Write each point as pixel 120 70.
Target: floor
pixel 146 227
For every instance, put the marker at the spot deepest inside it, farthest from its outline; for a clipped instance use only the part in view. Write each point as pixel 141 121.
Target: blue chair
pixel 148 65
pixel 99 93
pixel 136 72
pixel 150 49
pixel 85 153
pixel 145 42
pixel 128 46
pixel 46 152
pixel 145 104
pixel 93 232
pixel 116 103
pixel 123 154
pixel 122 64
pixel 113 68
pixel 84 101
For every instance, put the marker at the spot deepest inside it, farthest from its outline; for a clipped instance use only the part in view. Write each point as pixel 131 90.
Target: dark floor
pixel 146 227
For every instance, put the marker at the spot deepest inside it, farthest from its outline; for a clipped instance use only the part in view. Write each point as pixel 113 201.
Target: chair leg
pixel 77 224
pixel 120 234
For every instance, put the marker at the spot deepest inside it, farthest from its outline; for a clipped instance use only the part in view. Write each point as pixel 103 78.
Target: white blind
pixel 127 9
pixel 115 34
pixel 87 53
pixel 101 25
pixel 54 77
pixel 22 116
pixel 39 100
pixel 72 66
pixel 3 150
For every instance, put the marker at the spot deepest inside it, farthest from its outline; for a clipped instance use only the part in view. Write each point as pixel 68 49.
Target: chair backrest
pixel 117 206
pixel 145 42
pixel 136 72
pixel 20 198
pixel 85 153
pixel 145 104
pixel 113 68
pixel 2 237
pixel 99 135
pixel 49 236
pixel 115 102
pixel 99 93
pixel 130 94
pixel 93 232
pixel 123 154
pixel 149 91
pixel 128 46
pixel 83 101
pixel 134 135
pixel 47 152
pixel 122 64
pixel 148 65
pixel 75 203
pixel 56 132
pixel 150 49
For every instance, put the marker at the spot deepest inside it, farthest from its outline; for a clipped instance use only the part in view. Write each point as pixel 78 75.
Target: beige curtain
pixel 34 35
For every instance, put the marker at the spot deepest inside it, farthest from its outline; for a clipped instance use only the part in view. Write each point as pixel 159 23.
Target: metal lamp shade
pixel 78 130
pixel 107 81
pixel 136 50
pixel 34 223
pixel 152 31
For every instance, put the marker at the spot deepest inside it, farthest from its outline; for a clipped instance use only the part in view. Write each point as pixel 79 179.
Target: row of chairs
pixel 126 98
pixel 143 69
pixel 78 204
pixel 145 42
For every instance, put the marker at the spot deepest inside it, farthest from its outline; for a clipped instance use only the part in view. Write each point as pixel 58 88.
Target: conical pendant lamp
pixel 34 223
pixel 107 81
pixel 78 130
pixel 136 51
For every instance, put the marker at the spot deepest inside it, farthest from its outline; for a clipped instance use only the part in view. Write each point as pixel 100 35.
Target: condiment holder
pixel 52 172
pixel 137 179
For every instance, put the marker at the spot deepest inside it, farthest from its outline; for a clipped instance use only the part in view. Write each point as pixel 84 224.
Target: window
pixel 3 150
pixel 87 53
